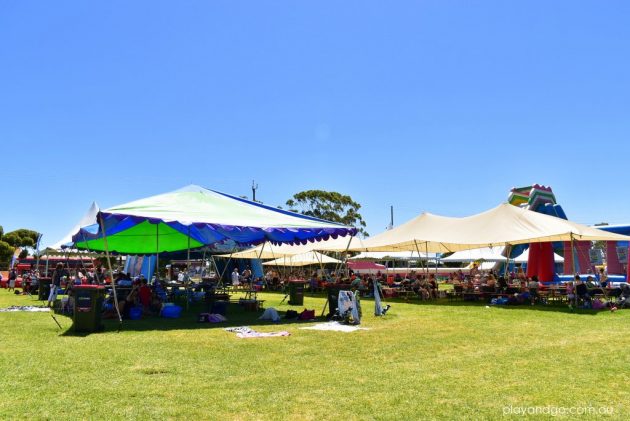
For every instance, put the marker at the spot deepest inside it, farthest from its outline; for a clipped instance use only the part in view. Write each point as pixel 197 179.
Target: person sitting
pixel 433 286
pixel 593 287
pixel 26 283
pixel 532 285
pixel 502 283
pixel 144 296
pixel 424 288
pixel 491 281
pixel 125 304
pixel 581 291
pixel 477 281
pixel 570 292
pixel 474 270
pixel 156 304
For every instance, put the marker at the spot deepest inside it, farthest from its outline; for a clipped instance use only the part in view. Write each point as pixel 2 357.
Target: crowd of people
pixel 516 286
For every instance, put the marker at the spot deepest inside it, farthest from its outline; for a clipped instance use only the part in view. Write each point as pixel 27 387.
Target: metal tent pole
pixel 109 264
pixel 186 278
pixel 157 252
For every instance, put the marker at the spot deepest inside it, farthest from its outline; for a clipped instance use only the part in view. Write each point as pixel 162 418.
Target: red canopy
pixel 363 265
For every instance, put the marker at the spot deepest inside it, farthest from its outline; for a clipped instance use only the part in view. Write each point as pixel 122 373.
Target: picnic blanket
pixel 334 326
pixel 244 332
pixel 24 308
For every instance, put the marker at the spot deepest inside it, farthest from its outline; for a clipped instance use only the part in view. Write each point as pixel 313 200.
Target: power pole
pixel 254 188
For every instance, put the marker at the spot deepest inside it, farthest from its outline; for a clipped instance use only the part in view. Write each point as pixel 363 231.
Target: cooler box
pixel 44 289
pixel 135 313
pixel 172 312
pixel 88 306
pixel 296 293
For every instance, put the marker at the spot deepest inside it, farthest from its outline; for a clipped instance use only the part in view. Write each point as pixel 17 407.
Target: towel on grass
pixel 334 326
pixel 244 332
pixel 24 308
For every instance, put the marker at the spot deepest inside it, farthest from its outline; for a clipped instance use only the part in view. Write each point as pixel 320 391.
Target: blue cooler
pixel 135 313
pixel 172 312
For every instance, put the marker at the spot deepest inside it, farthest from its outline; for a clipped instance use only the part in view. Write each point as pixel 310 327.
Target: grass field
pixel 445 360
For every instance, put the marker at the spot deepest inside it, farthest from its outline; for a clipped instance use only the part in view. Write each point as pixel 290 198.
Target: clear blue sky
pixel 438 106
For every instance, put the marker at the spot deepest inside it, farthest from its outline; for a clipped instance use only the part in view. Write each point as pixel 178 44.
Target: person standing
pixel 236 281
pixel 57 277
pixel 12 279
pixel 603 278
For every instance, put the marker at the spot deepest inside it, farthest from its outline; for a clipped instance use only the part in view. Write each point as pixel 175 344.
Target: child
pixel 570 293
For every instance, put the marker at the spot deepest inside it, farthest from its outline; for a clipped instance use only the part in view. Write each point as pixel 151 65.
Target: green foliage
pixel 331 206
pixel 11 240
pixel 6 251
pixel 22 238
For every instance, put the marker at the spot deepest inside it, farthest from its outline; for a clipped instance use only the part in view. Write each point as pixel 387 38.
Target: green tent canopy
pixel 193 217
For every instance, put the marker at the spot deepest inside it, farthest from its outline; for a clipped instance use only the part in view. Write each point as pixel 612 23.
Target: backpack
pixel 291 314
pixel 307 315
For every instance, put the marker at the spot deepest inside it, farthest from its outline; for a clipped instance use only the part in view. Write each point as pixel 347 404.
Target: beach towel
pixel 334 326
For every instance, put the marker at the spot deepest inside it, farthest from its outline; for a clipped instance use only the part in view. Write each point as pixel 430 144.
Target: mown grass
pixel 422 361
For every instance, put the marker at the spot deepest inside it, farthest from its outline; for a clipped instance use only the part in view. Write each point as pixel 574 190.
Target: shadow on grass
pixel 239 316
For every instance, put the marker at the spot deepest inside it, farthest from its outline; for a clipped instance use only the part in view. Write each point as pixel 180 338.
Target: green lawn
pixel 422 361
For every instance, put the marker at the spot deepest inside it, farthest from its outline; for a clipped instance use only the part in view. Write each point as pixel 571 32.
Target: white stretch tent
pixel 304 259
pixel 393 255
pixel 523 257
pixel 487 254
pixel 88 219
pixel 270 251
pixel 499 226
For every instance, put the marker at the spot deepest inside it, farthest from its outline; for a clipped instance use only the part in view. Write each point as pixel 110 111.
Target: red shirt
pixel 145 295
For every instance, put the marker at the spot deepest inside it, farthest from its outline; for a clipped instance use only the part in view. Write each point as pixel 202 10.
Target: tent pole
pixel 157 251
pixel 426 248
pixel 186 279
pixel 111 274
pixel 507 260
pixel 278 271
pixel 214 264
pixel 226 265
pixel 417 249
pixel 88 249
pixel 573 256
pixel 345 257
pixel 259 255
pixel 321 263
pixel 574 269
pixel 37 260
pixel 203 262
